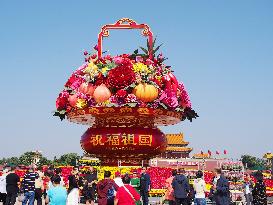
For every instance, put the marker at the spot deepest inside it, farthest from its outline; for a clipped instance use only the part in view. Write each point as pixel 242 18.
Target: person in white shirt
pixel 199 186
pixel 118 179
pixel 3 184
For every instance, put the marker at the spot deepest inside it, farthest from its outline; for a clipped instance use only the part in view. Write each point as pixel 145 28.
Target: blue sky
pixel 221 50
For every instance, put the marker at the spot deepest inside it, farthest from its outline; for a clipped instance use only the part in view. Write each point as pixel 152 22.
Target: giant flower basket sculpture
pixel 123 99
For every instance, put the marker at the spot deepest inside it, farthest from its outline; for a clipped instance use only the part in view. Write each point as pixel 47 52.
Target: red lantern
pixel 124 142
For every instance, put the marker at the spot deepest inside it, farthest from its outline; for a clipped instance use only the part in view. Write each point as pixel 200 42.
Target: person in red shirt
pixel 106 190
pixel 126 195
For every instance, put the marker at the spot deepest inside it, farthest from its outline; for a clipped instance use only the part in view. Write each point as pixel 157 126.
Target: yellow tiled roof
pixel 268 155
pixel 179 149
pixel 176 139
pixel 200 156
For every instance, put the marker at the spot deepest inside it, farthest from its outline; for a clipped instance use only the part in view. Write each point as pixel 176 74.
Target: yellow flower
pixel 91 69
pixel 81 103
pixel 141 68
pixel 104 70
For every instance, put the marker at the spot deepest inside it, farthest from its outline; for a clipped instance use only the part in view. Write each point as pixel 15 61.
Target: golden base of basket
pixel 124 116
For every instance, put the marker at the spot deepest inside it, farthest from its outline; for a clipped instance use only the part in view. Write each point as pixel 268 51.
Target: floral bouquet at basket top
pixel 134 80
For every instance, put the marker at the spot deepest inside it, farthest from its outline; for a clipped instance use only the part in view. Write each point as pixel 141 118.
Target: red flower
pixel 74 82
pixel 108 57
pixel 122 75
pixel 100 79
pixel 96 47
pixel 62 100
pixel 121 93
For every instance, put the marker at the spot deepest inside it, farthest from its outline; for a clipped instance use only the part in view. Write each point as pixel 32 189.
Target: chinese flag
pixel 217 152
pixel 209 152
pixel 225 151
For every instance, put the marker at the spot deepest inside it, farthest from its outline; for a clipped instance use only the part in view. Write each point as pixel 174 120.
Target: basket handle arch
pixel 125 23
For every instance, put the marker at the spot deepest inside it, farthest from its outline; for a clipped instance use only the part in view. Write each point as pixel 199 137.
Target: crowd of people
pixel 84 188
pixel 127 189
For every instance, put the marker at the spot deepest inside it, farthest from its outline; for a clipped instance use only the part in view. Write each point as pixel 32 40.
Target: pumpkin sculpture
pixel 101 93
pixel 146 92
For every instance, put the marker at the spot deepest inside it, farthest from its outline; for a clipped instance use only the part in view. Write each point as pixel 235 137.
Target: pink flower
pixel 149 62
pixel 184 97
pixel 79 71
pixel 96 47
pixel 171 102
pixel 130 98
pixel 74 82
pixel 113 99
pixel 118 60
pixel 139 59
pixel 108 57
pixel 169 99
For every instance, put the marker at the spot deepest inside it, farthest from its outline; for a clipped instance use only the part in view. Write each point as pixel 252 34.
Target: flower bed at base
pixel 158 177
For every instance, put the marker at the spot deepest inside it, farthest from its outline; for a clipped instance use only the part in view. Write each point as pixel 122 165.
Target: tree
pixel 253 162
pixel 12 161
pixel 68 159
pixel 44 161
pixel 28 158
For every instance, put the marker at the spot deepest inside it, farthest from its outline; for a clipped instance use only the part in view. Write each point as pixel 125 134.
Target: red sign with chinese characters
pixel 124 142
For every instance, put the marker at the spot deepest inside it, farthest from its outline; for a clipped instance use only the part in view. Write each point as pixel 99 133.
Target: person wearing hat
pixel 126 195
pixel 3 184
pixel 118 179
pixel 135 182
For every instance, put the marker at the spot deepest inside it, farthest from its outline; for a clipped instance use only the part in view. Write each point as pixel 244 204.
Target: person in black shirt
pixel 89 187
pixel 12 181
pixel 74 183
pixel 145 185
pixel 259 191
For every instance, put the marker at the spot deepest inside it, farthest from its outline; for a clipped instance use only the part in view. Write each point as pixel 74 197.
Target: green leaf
pixel 60 115
pixel 62 112
pixel 148 45
pixel 136 51
pixel 155 50
pixel 154 42
pixel 179 109
pixel 132 104
pixel 144 50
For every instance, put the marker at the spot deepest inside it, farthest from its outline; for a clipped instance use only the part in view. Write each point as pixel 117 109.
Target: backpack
pixel 111 192
pixel 111 195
